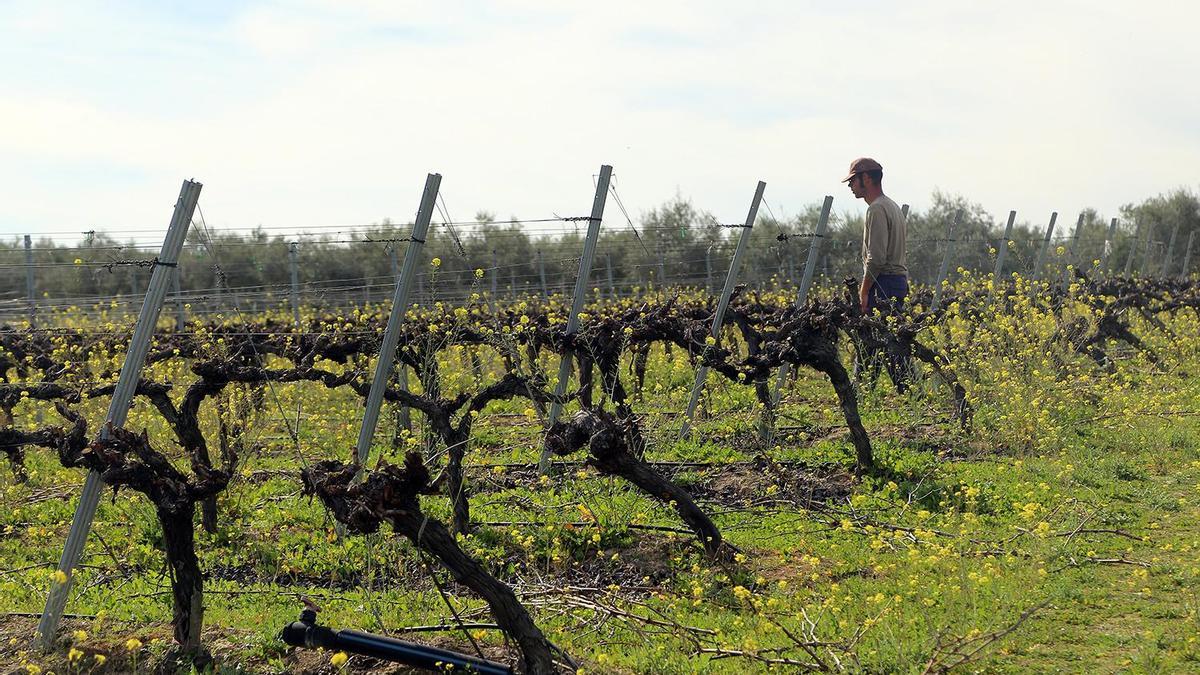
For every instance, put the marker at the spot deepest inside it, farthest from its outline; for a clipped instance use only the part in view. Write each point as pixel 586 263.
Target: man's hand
pixel 864 293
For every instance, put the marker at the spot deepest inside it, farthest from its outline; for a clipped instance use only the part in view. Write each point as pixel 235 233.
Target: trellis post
pixel 814 253
pixel 542 273
pixel 30 291
pixel 722 305
pixel 1166 266
pixel 1002 252
pixel 1109 242
pixel 495 275
pixel 1187 256
pixel 402 372
pixel 1133 245
pixel 294 265
pixel 1148 253
pixel 391 334
pixel 949 253
pixel 1041 259
pixel 581 284
pixel 1072 254
pixel 612 289
pixel 118 408
pixel 708 287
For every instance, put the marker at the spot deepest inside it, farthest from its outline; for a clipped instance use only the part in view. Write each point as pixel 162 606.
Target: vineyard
pixel 1002 477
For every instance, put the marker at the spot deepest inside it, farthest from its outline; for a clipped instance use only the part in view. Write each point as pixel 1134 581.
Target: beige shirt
pixel 883 247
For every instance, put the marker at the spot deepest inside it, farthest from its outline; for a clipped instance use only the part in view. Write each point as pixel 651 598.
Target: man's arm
pixel 864 292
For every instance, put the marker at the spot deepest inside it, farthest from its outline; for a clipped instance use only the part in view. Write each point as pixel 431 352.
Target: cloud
pixel 331 112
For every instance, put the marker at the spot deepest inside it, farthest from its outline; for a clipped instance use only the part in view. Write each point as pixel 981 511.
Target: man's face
pixel 856 186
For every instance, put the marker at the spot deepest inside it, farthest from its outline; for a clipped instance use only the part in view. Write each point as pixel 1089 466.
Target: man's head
pixel 865 179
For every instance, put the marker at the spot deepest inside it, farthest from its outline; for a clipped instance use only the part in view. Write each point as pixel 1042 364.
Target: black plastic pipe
pixel 306 633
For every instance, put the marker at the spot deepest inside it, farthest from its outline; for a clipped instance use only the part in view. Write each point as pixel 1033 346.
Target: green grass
pixel 953 541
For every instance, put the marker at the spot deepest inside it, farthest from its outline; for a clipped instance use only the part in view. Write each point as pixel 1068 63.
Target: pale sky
pixel 325 112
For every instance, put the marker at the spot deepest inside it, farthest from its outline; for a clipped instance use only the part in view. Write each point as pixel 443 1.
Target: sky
pixel 321 113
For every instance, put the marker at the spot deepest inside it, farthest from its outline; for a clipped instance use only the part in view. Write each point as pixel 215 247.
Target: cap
pixel 860 165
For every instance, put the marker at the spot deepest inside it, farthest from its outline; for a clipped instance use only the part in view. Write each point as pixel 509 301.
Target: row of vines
pixel 209 390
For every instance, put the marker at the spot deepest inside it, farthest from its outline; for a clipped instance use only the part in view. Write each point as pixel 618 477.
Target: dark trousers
pixel 887 294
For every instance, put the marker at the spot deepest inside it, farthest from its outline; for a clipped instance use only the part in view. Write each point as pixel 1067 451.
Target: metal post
pixel 294 264
pixel 1109 242
pixel 542 273
pixel 1072 255
pixel 1146 256
pixel 391 334
pixel 708 268
pixel 814 253
pixel 662 269
pixel 581 282
pixel 118 408
pixel 402 375
pixel 722 305
pixel 1137 236
pixel 1002 252
pixel 495 273
pixel 180 319
pixel 1187 257
pixel 945 268
pixel 1166 266
pixel 29 288
pixel 1041 259
pixel 612 290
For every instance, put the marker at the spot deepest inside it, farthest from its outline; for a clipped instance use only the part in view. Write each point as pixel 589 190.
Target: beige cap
pixel 860 165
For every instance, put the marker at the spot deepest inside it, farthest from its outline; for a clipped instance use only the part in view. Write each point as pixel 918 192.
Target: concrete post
pixel 722 305
pixel 30 290
pixel 1187 257
pixel 577 299
pixel 810 265
pixel 1147 248
pixel 1041 259
pixel 708 287
pixel 1166 266
pixel 294 265
pixel 118 408
pixel 1133 246
pixel 612 289
pixel 1072 255
pixel 946 256
pixel 391 334
pixel 1002 251
pixel 542 273
pixel 1109 242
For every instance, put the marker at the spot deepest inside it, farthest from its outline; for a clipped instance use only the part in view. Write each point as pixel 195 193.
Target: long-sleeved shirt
pixel 883 247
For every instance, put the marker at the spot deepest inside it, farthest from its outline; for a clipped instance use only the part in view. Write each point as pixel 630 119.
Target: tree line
pixel 672 244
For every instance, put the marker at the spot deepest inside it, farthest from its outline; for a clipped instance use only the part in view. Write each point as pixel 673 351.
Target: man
pixel 885 270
